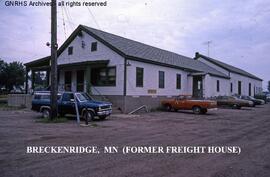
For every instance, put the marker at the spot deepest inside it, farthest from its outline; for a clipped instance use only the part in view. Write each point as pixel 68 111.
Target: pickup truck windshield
pixel 83 97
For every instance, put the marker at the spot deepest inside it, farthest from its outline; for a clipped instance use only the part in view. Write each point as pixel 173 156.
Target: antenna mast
pixel 208 47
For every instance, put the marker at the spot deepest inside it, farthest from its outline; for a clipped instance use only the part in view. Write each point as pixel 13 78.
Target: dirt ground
pixel 248 128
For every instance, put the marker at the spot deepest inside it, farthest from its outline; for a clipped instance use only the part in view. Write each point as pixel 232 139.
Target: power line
pixel 92 15
pixel 69 19
pixel 64 24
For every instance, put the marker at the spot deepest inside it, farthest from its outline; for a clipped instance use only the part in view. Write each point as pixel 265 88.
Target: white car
pixel 268 97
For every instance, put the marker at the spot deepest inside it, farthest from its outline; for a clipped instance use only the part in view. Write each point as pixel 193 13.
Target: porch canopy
pixel 43 64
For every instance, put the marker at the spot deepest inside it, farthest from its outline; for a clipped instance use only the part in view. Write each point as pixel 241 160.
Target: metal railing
pixel 82 86
pixel 138 109
pixel 103 98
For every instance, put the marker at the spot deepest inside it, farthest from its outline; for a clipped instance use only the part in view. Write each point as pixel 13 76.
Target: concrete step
pixel 116 110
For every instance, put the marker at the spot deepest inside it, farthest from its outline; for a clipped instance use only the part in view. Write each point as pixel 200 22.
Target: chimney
pixel 197 55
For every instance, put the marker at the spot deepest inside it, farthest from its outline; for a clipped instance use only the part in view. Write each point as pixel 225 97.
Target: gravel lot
pixel 248 128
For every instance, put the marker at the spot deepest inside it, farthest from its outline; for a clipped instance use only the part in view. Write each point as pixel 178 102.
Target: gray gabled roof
pixel 146 53
pixel 134 50
pixel 227 67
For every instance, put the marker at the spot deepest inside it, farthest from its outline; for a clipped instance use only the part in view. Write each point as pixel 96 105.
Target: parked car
pixel 186 102
pixel 17 90
pixel 261 101
pixel 87 107
pixel 268 98
pixel 232 101
pixel 261 96
pixel 250 98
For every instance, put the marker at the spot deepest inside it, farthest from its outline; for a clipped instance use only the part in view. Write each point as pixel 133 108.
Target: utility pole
pixel 54 46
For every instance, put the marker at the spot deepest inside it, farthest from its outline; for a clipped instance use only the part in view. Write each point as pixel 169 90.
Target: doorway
pixel 197 87
pixel 80 80
pixel 239 88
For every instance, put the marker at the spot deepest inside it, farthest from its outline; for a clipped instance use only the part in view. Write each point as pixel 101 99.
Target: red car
pixel 186 102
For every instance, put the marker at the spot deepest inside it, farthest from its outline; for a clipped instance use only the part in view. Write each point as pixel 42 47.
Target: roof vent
pixel 83 44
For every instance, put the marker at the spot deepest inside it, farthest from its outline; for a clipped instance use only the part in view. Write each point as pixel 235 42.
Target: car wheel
pixel 45 113
pixel 102 117
pixel 62 115
pixel 88 116
pixel 196 110
pixel 204 111
pixel 168 107
pixel 235 106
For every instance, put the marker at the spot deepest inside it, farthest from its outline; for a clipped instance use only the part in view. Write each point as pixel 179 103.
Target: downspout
pixel 26 80
pixel 125 84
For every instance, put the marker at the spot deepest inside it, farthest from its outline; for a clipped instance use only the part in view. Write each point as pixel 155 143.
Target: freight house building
pixel 131 74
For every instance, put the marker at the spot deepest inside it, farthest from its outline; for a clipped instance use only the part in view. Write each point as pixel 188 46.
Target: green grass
pixel 57 120
pixel 3 96
pixel 94 124
pixel 5 107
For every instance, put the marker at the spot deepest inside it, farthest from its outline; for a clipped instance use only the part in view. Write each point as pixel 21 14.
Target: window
pixel 94 46
pixel 199 85
pixel 83 96
pixel 103 76
pixel 178 81
pixel 45 96
pixel 231 87
pixel 239 87
pixel 70 50
pixel 249 89
pixel 161 79
pixel 139 77
pixel 217 85
pixel 67 96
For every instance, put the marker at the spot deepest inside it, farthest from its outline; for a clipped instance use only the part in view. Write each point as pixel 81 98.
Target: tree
pixel 40 79
pixel 268 87
pixel 1 72
pixel 12 74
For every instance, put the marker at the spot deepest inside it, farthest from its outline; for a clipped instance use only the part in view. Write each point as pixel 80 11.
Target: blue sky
pixel 239 30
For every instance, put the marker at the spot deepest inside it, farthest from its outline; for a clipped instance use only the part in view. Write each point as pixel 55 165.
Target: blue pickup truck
pixel 87 107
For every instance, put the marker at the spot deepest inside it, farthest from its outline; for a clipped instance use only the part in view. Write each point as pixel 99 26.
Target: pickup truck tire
pixel 88 115
pixel 168 107
pixel 62 115
pixel 102 117
pixel 45 113
pixel 197 109
pixel 204 111
pixel 235 106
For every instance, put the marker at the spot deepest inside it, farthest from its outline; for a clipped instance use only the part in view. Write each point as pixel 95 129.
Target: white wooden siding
pixel 151 80
pixel 84 54
pixel 245 84
pixel 225 87
pixel 210 88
